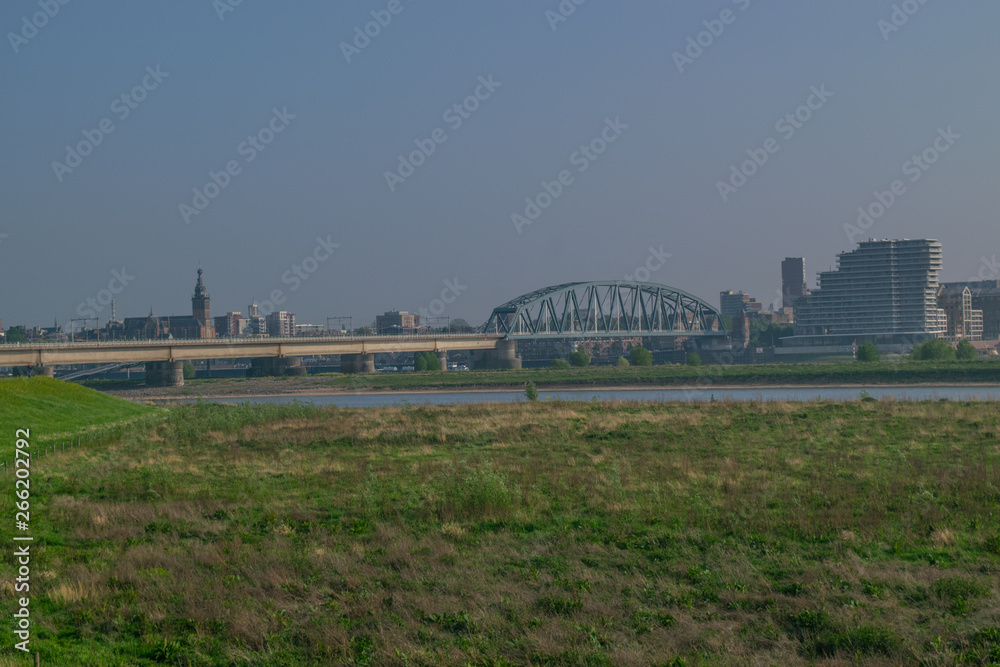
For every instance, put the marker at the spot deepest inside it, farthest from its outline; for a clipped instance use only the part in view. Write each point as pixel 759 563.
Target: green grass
pixel 54 409
pixel 534 533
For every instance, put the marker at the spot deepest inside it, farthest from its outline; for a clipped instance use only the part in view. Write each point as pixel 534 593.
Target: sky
pixel 310 155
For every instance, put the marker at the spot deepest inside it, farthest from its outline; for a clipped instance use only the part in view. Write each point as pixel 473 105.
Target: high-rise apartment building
pixel 281 323
pixel 882 287
pixel 793 280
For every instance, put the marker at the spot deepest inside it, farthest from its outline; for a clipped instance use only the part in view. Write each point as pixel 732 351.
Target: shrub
pixel 483 494
pixel 622 362
pixel 560 364
pixel 693 359
pixel 966 352
pixel 936 349
pixel 531 391
pixel 188 370
pixel 580 359
pixel 640 356
pixel 868 352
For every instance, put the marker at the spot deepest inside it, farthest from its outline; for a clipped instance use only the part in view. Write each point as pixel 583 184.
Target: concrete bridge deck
pixel 50 354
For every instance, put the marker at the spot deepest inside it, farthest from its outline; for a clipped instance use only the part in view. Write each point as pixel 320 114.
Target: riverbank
pixel 899 374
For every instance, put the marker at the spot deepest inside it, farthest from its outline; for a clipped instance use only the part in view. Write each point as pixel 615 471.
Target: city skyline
pixel 709 141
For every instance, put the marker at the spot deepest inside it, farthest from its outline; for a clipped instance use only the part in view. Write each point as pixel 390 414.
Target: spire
pixel 199 289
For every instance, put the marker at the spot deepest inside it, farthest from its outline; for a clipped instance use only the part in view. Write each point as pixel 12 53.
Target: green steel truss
pixel 615 309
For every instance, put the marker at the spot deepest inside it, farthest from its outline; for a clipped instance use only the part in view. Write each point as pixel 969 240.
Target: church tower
pixel 200 302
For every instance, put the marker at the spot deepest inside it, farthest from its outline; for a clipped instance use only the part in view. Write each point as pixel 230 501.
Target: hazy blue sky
pixel 323 175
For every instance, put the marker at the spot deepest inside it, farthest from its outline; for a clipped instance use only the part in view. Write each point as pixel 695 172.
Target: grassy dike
pixel 55 410
pixel 530 533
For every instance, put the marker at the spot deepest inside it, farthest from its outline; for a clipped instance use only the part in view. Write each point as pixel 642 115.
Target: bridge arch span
pixel 613 309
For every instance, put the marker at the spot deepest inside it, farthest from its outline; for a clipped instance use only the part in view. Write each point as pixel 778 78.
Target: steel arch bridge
pixel 615 309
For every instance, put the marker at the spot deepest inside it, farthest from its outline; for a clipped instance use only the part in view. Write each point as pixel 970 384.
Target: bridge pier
pixel 275 366
pixel 47 371
pixel 503 357
pixel 442 359
pixel 164 373
pixel 357 363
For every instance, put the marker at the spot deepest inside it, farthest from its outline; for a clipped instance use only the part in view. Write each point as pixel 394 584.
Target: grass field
pixel 531 533
pixel 57 410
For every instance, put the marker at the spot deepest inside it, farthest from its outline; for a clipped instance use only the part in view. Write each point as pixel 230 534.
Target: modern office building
pixel 884 291
pixel 793 280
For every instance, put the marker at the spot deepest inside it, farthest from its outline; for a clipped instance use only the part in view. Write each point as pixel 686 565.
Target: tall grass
pixel 529 533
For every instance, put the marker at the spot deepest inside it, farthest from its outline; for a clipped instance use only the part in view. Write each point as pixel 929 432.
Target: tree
pixel 188 370
pixel 935 349
pixel 868 352
pixel 966 352
pixel 458 325
pixel 767 335
pixel 531 391
pixel 364 331
pixel 426 361
pixel 693 359
pixel 622 362
pixel 640 356
pixel 560 364
pixel 15 335
pixel 580 359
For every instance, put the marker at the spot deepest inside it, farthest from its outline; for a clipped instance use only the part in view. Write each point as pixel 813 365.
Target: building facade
pixel 731 302
pixel 280 323
pixel 882 287
pixel 793 280
pixel 396 322
pixel 231 324
pixel 985 298
pixel 964 322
